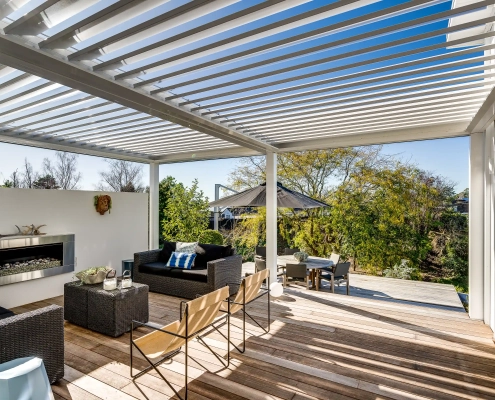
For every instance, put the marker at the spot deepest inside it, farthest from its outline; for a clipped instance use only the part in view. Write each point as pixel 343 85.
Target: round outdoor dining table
pixel 313 264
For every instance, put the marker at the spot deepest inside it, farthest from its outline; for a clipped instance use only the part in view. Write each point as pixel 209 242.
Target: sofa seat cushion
pixel 210 252
pixel 160 268
pixel 4 313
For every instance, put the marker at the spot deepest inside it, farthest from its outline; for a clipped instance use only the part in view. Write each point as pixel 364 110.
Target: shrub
pixel 401 271
pixel 210 236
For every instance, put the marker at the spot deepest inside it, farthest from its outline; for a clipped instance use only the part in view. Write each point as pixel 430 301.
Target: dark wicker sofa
pixel 38 333
pixel 207 275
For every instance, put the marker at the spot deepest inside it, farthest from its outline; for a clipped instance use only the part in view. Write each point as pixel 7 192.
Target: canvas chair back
pixel 260 252
pixel 289 252
pixel 296 271
pixel 248 290
pixel 335 258
pixel 342 269
pixel 197 314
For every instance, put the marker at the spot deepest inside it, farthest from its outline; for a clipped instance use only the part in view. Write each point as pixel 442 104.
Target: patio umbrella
pixel 256 197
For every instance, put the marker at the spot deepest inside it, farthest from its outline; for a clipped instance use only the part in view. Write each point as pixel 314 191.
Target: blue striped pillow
pixel 181 260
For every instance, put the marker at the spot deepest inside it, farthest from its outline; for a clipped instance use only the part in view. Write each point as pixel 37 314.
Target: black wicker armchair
pixel 38 333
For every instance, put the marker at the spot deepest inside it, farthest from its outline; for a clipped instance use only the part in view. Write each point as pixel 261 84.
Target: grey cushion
pixel 160 268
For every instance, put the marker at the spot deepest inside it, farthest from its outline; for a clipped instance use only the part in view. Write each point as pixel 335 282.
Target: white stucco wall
pixel 99 240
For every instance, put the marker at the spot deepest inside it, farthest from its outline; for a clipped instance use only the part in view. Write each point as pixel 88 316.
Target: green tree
pixel 315 174
pixel 248 233
pixel 386 215
pixel 186 214
pixel 45 182
pixel 211 236
pixel 381 212
pixel 164 194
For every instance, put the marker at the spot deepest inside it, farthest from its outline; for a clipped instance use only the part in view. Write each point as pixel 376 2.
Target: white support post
pixel 476 225
pixel 216 210
pixel 271 214
pixel 154 223
pixel 488 218
pixel 490 228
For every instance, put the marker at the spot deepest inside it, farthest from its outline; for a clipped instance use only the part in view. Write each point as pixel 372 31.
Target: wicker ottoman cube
pixel 107 312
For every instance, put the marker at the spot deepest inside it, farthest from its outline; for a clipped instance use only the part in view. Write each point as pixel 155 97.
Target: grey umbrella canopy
pixel 256 197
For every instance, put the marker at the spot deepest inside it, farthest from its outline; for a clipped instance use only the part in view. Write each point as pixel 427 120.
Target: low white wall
pixel 99 240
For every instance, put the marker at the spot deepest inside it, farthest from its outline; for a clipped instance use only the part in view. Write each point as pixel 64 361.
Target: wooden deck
pixel 392 290
pixel 321 346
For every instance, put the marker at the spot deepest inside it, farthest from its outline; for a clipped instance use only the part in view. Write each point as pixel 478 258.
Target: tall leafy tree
pixel 186 214
pixel 386 215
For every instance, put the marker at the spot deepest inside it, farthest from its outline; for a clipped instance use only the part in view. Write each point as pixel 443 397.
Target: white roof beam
pixel 77 114
pixel 193 29
pixel 200 144
pixel 23 23
pixel 167 11
pixel 171 53
pixel 114 139
pixel 94 131
pixel 345 103
pixel 300 95
pixel 228 152
pixel 237 102
pixel 341 125
pixel 198 77
pixel 80 148
pixel 146 144
pixel 46 107
pixel 331 58
pixel 28 59
pixel 63 109
pixel 131 128
pixel 440 131
pixel 130 114
pixel 410 123
pixel 70 26
pixel 396 114
pixel 422 82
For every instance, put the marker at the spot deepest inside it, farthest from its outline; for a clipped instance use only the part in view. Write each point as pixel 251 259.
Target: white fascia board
pixel 439 131
pixel 230 152
pixel 71 148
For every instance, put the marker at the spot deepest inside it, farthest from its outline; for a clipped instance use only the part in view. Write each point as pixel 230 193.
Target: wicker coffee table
pixel 107 312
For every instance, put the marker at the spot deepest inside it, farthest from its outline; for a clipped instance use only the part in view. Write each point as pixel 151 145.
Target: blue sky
pixel 447 157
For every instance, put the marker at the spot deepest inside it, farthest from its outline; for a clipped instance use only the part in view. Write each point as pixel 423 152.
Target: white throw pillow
pixel 186 247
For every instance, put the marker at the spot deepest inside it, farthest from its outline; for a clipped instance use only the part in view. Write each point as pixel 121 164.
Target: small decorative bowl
pixel 301 256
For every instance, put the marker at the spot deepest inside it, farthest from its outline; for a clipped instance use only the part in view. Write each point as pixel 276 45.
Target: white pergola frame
pixel 162 82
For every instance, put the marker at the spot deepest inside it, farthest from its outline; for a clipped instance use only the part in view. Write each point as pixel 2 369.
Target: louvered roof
pixel 165 81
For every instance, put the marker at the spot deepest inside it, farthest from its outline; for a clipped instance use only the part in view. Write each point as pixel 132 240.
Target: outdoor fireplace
pixel 24 258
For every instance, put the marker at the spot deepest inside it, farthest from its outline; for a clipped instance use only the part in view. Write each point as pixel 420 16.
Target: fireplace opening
pixel 31 258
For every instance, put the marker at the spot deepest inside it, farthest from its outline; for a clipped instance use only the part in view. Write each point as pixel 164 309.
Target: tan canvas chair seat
pixel 196 316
